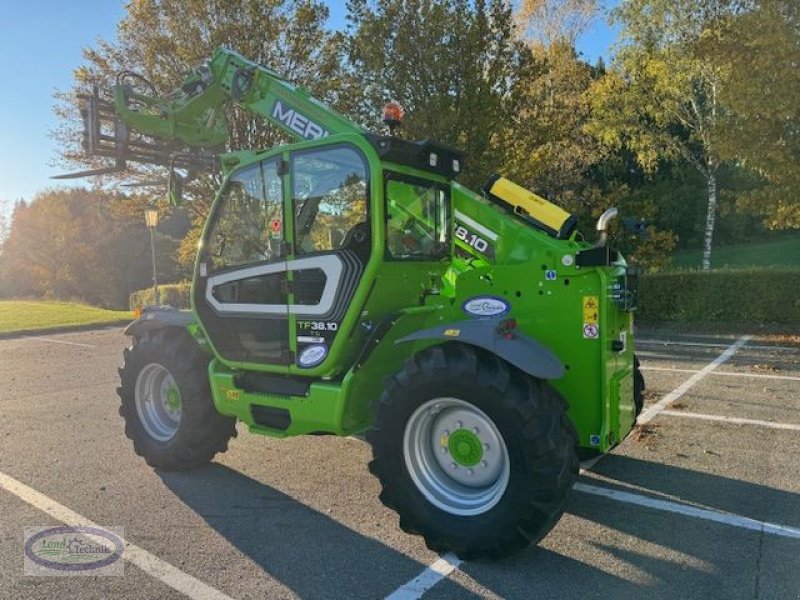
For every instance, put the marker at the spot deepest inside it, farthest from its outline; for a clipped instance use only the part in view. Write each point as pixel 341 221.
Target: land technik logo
pixel 70 550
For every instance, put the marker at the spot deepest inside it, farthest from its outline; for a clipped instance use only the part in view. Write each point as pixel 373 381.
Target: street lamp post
pixel 151 220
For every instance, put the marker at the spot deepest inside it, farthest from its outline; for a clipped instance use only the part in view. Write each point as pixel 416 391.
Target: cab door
pixel 331 243
pixel 240 292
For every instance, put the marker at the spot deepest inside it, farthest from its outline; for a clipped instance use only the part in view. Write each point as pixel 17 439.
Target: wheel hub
pixel 173 401
pixel 465 447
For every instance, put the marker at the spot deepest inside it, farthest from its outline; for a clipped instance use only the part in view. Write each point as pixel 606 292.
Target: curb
pixel 10 335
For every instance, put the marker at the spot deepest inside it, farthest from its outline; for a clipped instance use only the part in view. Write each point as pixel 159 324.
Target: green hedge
pixel 742 295
pixel 174 294
pixel 755 295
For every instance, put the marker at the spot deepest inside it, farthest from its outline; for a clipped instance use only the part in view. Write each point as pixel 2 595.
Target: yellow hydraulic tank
pixel 540 213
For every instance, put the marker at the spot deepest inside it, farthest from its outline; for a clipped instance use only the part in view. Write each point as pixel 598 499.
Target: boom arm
pixel 194 113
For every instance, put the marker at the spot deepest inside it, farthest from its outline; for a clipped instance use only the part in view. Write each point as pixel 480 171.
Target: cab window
pixel 248 226
pixel 330 198
pixel 417 218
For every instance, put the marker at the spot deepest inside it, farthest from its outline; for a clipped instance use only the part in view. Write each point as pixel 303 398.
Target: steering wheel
pixel 410 243
pixel 129 79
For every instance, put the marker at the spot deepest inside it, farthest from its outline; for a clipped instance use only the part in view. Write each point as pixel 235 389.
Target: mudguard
pixel 523 352
pixel 158 318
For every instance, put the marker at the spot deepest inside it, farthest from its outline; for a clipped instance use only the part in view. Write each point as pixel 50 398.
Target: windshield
pixel 417 218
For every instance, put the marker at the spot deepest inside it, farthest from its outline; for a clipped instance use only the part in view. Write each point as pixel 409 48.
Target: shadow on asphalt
pixel 305 550
pixel 697 487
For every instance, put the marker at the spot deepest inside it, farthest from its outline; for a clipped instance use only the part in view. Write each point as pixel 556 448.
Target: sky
pixel 40 46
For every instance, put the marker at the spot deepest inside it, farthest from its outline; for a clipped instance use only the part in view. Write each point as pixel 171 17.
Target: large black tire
pixel 201 431
pixel 528 414
pixel 638 386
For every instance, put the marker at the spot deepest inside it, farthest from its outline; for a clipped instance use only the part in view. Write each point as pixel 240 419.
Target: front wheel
pixel 166 402
pixel 474 455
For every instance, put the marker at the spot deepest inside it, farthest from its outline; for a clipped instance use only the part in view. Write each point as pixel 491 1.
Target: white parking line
pixel 691 511
pixel 52 341
pixel 650 413
pixel 724 373
pixel 735 420
pixel 149 563
pixel 427 579
pixel 713 345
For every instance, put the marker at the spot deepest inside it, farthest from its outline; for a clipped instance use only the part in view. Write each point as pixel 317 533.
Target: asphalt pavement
pixel 701 502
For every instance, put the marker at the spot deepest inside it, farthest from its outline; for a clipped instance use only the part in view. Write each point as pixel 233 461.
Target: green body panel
pixel 493 253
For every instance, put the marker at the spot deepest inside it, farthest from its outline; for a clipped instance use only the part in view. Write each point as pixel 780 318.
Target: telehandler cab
pixel 346 283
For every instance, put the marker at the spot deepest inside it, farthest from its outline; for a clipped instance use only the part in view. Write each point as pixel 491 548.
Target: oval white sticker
pixel 312 356
pixel 486 306
pixel 73 549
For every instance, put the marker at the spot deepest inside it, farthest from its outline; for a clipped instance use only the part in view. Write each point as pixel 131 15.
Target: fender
pixel 523 352
pixel 160 318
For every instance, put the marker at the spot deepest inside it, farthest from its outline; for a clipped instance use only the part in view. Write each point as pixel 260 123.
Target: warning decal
pixel 275 228
pixel 590 331
pixel 591 310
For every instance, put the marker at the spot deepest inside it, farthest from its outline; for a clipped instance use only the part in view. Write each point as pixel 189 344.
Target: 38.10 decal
pixel 318 325
pixel 474 241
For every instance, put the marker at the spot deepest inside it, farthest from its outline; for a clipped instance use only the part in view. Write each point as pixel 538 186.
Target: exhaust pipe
pixel 602 226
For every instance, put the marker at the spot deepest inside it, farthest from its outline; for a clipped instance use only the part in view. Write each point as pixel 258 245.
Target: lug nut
pixel 453 465
pixel 484 464
pixel 459 425
pixel 471 472
pixel 486 446
pixel 444 449
pixel 475 430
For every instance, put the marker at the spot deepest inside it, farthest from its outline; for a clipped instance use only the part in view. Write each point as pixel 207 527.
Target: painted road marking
pixel 691 511
pixel 725 373
pixel 735 420
pixel 714 345
pixel 149 563
pixel 42 339
pixel 650 413
pixel 427 579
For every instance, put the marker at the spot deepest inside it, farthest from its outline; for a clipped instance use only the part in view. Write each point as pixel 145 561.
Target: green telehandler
pixel 346 283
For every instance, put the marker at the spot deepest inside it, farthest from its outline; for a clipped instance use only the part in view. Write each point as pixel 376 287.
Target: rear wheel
pixel 638 386
pixel 166 402
pixel 473 455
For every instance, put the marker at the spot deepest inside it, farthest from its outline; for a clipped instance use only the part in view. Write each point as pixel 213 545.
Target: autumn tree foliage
pixel 693 125
pixel 762 92
pixel 162 40
pixel 85 245
pixel 454 65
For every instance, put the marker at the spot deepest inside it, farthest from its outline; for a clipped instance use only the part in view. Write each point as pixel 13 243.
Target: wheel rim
pixel 158 402
pixel 456 456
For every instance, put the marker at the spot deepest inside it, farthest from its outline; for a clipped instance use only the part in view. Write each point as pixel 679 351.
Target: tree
pixel 545 143
pixel 762 90
pixel 164 39
pixel 549 22
pixel 663 98
pixel 452 65
pixel 75 244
